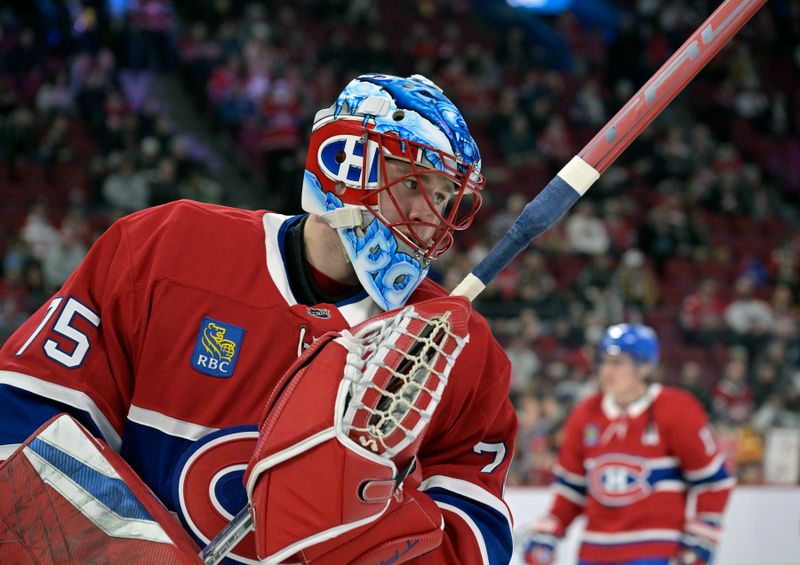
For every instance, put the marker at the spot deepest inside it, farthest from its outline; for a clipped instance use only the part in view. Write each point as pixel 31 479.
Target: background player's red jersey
pixel 631 472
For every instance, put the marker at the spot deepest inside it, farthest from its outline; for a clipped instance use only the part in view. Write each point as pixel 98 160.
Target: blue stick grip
pixel 539 214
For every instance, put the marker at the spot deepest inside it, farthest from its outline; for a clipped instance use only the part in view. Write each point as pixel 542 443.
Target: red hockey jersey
pixel 168 339
pixel 631 472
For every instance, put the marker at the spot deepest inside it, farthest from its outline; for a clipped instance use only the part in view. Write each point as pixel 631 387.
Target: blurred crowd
pixel 693 231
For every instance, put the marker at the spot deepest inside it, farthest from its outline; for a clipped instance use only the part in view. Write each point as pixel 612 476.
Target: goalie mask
pixel 392 167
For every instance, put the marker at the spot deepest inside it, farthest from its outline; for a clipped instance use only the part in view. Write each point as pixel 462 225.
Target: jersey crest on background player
pixel 217 348
pixel 618 480
pixel 591 435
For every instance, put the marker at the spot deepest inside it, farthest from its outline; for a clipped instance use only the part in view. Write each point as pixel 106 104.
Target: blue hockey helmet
pixel 375 119
pixel 637 340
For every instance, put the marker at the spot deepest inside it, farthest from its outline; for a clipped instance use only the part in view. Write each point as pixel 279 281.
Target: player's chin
pixel 608 386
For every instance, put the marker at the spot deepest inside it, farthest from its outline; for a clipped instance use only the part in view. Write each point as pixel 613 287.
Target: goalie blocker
pixel 69 498
pixel 319 479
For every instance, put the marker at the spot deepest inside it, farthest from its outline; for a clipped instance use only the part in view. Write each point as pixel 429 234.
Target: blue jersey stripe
pixel 24 412
pixel 154 456
pixel 492 525
pixel 666 474
pixel 113 493
pixel 720 475
pixel 580 489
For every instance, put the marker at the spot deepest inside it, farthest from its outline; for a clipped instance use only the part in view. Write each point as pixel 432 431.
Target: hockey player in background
pixel 632 456
pixel 168 339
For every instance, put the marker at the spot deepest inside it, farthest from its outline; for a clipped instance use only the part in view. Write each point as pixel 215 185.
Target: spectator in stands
pixel 657 238
pixel 18 139
pixel 785 313
pixel 200 186
pixel 749 318
pixel 38 232
pixel 702 314
pixel 637 284
pixel 126 189
pixel 779 410
pixel 10 317
pixel 62 258
pixel 163 183
pixel 36 293
pixel 54 147
pixel 56 97
pixel 585 232
pixel 525 364
pixel 733 400
pixel 691 379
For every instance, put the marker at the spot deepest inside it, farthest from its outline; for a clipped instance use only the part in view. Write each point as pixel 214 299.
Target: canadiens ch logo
pixel 618 480
pixel 217 348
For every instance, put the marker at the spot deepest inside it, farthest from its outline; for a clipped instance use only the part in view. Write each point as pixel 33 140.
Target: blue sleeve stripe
pixel 23 389
pixel 578 489
pixel 491 524
pixel 667 474
pixel 720 475
pixel 24 412
pixel 149 452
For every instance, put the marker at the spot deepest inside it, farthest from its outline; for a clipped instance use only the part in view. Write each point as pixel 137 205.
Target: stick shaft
pixel 564 190
pixel 228 537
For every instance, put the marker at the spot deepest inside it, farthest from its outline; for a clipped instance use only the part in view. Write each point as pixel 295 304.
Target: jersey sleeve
pixel 75 353
pixel 570 485
pixel 702 463
pixel 466 457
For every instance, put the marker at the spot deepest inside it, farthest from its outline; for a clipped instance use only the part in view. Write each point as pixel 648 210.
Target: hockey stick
pixel 585 168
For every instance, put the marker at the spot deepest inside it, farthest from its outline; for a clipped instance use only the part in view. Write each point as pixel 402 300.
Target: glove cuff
pixel 550 525
pixel 698 542
pixel 710 532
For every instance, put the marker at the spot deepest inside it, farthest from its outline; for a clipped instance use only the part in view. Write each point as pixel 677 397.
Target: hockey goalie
pixel 336 451
pixel 184 320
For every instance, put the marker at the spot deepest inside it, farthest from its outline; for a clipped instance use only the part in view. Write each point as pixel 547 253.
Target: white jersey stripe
pixel 669 486
pixel 469 490
pixel 354 313
pixel 707 471
pixel 605 538
pixel 277 270
pixel 578 480
pixel 167 424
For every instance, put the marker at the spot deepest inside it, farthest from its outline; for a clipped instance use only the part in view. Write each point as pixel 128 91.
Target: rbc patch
pixel 217 348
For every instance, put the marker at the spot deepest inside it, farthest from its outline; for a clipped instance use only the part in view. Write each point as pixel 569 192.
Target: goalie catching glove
pixel 339 439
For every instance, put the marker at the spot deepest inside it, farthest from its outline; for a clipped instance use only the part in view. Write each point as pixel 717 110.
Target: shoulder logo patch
pixel 217 348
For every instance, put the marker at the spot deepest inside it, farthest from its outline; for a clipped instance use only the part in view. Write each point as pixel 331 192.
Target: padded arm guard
pixel 69 498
